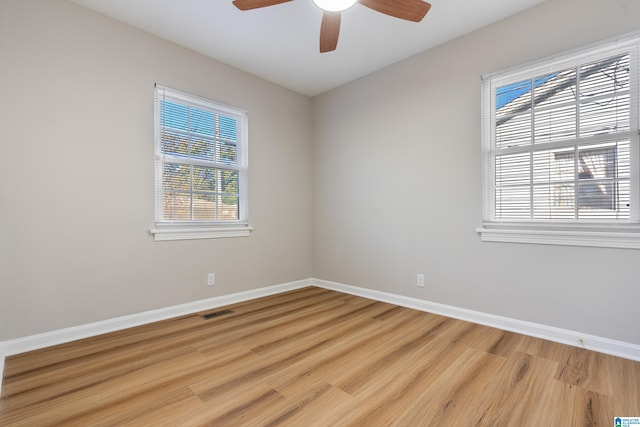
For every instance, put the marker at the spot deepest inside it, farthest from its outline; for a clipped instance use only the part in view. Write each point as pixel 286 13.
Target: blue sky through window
pixel 189 119
pixel 508 93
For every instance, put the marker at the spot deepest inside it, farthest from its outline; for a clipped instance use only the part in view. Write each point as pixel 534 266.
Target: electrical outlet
pixel 211 279
pixel 420 280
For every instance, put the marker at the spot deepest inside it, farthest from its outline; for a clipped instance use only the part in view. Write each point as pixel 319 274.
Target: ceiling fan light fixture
pixel 334 5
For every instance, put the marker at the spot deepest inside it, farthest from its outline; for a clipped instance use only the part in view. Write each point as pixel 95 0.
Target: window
pixel 560 145
pixel 201 168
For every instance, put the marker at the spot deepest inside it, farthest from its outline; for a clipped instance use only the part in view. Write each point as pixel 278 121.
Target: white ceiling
pixel 281 43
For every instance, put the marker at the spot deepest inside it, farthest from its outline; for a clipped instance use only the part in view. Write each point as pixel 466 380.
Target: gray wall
pixel 397 183
pixel 76 182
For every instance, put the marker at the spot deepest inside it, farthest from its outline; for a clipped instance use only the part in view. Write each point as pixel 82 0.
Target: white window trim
pixel 624 235
pixel 625 238
pixel 191 230
pixel 191 233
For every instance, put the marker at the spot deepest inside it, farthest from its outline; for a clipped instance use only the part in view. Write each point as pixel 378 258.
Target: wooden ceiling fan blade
pixel 329 31
pixel 410 10
pixel 255 4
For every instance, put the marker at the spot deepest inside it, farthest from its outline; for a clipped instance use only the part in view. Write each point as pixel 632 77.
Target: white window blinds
pixel 560 139
pixel 201 162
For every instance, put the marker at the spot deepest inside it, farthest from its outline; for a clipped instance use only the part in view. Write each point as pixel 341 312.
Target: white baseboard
pixel 47 339
pixel 564 336
pixel 61 336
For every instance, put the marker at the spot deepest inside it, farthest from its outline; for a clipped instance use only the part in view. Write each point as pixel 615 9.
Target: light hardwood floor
pixel 315 357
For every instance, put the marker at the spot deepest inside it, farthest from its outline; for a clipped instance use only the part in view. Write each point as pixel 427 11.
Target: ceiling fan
pixel 410 10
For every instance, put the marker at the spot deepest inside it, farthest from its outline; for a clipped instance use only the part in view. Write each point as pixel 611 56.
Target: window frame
pixel 576 232
pixel 165 229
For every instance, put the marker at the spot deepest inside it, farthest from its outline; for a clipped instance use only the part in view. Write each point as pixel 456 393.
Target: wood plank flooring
pixel 315 357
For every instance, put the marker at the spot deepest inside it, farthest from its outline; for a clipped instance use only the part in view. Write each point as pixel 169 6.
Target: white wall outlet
pixel 420 280
pixel 211 279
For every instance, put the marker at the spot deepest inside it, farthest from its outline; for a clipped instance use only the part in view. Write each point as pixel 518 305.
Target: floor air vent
pixel 216 314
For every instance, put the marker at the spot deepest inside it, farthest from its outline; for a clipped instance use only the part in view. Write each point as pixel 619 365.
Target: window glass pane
pixel 229 207
pixel 176 184
pixel 204 179
pixel 623 154
pixel 513 115
pixel 176 206
pixel 603 78
pixel 555 88
pixel 513 169
pixel 227 153
pixel 603 184
pixel 602 199
pixel 554 201
pixel 176 177
pixel 604 96
pixel 201 122
pixel 228 128
pixel 201 148
pixel 555 124
pixel 512 96
pixel 513 202
pixel 174 115
pixel 555 106
pixel 174 143
pixel 204 207
pixel 596 195
pixel 229 181
pixel 514 131
pixel 601 117
pixel 598 161
pixel 554 166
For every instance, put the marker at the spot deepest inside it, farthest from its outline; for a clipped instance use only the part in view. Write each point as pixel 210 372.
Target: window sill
pixel 623 237
pixel 194 232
